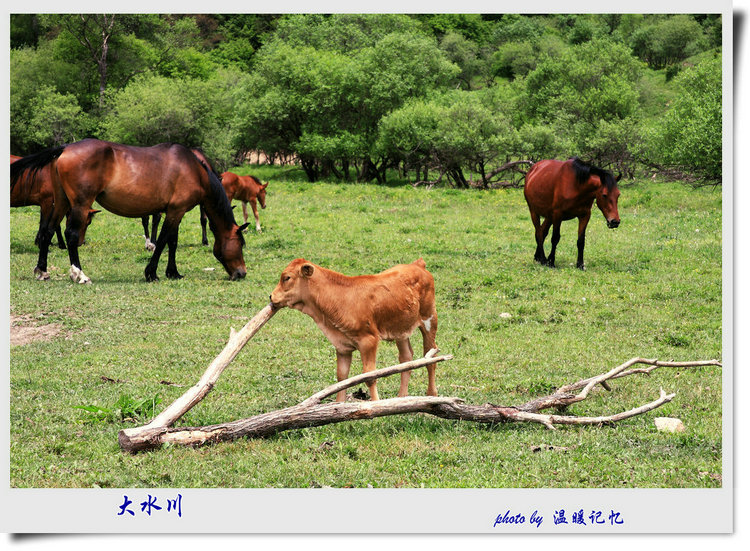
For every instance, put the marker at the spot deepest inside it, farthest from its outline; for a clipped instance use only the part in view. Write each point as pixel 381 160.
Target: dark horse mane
pixel 217 196
pixel 585 170
pixel 35 162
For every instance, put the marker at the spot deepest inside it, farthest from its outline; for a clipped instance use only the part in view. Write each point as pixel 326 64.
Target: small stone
pixel 669 424
pixel 506 315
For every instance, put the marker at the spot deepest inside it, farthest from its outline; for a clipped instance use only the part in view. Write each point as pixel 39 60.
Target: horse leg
pixel 172 272
pixel 582 223
pixel 244 211
pixel 149 244
pixel 47 228
pixel 204 219
pixel 254 206
pixel 165 234
pixel 60 240
pixel 540 234
pixel 155 219
pixel 76 223
pixel 555 240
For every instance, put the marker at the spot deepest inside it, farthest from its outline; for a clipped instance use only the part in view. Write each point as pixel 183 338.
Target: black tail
pixel 31 164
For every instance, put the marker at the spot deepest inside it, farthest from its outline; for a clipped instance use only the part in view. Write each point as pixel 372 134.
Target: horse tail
pixel 31 164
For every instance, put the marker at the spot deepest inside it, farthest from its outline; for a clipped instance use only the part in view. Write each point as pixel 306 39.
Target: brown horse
pixel 247 189
pixel 150 245
pixel 35 188
pixel 562 190
pixel 135 182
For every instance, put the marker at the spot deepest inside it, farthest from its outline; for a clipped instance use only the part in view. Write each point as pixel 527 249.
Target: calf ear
pixel 307 270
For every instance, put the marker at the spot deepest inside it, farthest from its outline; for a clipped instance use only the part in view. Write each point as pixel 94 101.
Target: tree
pixel 689 135
pixel 315 96
pixel 56 119
pixel 153 109
pixel 577 92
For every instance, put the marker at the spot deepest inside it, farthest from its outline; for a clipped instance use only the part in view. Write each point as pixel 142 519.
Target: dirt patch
pixel 25 330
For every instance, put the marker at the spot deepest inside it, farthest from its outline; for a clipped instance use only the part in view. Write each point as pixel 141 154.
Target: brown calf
pixel 356 313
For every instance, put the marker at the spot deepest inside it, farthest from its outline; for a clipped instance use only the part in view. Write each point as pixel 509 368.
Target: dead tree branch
pixel 311 412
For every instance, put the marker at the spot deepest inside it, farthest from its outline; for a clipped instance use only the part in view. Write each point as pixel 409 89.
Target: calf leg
pixel 428 328
pixel 369 351
pixel 405 354
pixel 343 363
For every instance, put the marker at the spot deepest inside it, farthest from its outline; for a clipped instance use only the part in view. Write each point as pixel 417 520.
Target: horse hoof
pixel 77 275
pixel 174 275
pixel 41 275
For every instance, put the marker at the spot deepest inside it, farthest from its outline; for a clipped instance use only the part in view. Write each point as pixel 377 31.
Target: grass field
pixel 652 288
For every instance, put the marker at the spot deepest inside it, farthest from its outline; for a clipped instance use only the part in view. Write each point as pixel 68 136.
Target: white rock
pixel 669 424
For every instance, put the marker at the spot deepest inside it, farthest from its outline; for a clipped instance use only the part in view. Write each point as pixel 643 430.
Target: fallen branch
pixel 311 412
pixel 206 383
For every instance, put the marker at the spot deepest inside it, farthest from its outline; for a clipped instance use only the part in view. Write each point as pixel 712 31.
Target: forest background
pixel 449 99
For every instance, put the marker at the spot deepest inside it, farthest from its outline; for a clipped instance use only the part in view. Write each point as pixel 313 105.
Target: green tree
pixel 194 112
pixel 56 119
pixel 312 96
pixel 576 92
pixel 689 135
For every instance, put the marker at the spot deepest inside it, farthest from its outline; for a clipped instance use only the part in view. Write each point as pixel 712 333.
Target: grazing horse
pixel 35 188
pixel 247 189
pixel 135 182
pixel 562 190
pixel 150 246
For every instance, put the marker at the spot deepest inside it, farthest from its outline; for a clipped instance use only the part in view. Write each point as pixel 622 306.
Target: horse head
pixel 262 195
pixel 606 199
pixel 228 251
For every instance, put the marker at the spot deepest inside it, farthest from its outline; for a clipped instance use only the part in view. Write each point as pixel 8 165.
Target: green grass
pixel 652 288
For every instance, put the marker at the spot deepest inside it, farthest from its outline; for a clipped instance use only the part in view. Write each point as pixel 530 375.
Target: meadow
pixel 108 351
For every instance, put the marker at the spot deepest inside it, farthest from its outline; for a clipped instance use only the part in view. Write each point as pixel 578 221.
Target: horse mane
pixel 31 164
pixel 217 198
pixel 584 171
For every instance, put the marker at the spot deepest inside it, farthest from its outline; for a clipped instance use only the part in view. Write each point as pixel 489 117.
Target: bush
pixel 689 135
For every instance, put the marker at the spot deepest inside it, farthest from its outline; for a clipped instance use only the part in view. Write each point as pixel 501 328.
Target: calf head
pixel 293 288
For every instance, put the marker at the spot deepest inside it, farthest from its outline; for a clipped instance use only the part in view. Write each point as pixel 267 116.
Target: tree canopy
pixel 354 96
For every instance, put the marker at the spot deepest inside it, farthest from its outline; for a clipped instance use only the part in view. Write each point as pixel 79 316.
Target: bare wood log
pixel 196 393
pixel 311 412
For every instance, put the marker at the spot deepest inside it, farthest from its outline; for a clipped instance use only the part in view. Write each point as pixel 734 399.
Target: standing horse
pixel 247 189
pixel 135 182
pixel 35 188
pixel 562 190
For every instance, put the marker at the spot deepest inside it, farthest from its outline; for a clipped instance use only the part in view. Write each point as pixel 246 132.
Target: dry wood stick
pixel 196 393
pixel 311 412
